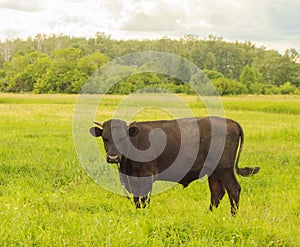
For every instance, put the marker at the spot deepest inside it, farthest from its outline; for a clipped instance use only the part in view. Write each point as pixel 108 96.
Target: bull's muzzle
pixel 113 158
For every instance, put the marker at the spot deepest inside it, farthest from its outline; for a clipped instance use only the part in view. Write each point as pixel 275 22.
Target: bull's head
pixel 115 135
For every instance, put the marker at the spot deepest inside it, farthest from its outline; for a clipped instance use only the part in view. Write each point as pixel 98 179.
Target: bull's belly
pixel 177 171
pixel 184 179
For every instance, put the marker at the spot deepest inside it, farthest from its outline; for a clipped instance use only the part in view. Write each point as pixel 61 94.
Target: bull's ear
pixel 133 131
pixel 95 131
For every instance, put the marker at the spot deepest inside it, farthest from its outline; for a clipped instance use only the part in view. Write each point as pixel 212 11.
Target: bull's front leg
pixel 142 191
pixel 141 201
pixel 140 187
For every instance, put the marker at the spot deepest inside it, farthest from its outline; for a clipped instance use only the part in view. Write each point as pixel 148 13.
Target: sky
pixel 274 24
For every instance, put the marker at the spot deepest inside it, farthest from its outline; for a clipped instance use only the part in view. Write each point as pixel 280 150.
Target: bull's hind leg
pixel 233 189
pixel 217 191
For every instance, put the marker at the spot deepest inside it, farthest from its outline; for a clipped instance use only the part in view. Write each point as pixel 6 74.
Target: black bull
pixel 181 150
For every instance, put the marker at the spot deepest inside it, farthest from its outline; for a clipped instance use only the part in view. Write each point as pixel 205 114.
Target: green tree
pixel 182 71
pixel 61 74
pixel 213 74
pixel 276 69
pixel 24 71
pixel 210 61
pixel 250 75
pixel 66 58
pixel 45 84
pixel 69 61
pixel 91 63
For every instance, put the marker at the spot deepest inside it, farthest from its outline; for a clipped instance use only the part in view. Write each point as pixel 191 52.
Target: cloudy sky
pixel 272 23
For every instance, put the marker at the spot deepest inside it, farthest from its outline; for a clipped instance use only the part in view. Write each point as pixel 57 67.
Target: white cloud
pixel 27 6
pixel 274 23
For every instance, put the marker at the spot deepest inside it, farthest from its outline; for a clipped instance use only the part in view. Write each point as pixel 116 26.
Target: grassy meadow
pixel 47 199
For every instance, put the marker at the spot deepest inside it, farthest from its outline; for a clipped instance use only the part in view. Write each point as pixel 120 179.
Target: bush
pixel 257 88
pixel 229 87
pixel 271 89
pixel 288 88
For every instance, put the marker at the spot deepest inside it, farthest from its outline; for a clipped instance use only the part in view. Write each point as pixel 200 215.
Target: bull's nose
pixel 113 158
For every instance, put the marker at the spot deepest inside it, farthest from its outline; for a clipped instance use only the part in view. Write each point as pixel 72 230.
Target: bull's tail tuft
pixel 246 171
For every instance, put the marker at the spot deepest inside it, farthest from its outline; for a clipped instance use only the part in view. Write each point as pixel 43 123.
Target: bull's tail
pixel 246 171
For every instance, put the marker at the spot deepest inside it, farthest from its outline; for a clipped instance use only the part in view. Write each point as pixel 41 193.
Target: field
pixel 47 198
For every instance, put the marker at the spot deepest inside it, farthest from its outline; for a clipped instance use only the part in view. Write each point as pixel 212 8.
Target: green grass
pixel 47 199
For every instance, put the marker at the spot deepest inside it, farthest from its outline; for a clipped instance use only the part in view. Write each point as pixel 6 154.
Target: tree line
pixel 62 64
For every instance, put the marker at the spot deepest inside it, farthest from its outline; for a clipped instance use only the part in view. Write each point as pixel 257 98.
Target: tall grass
pixel 47 199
